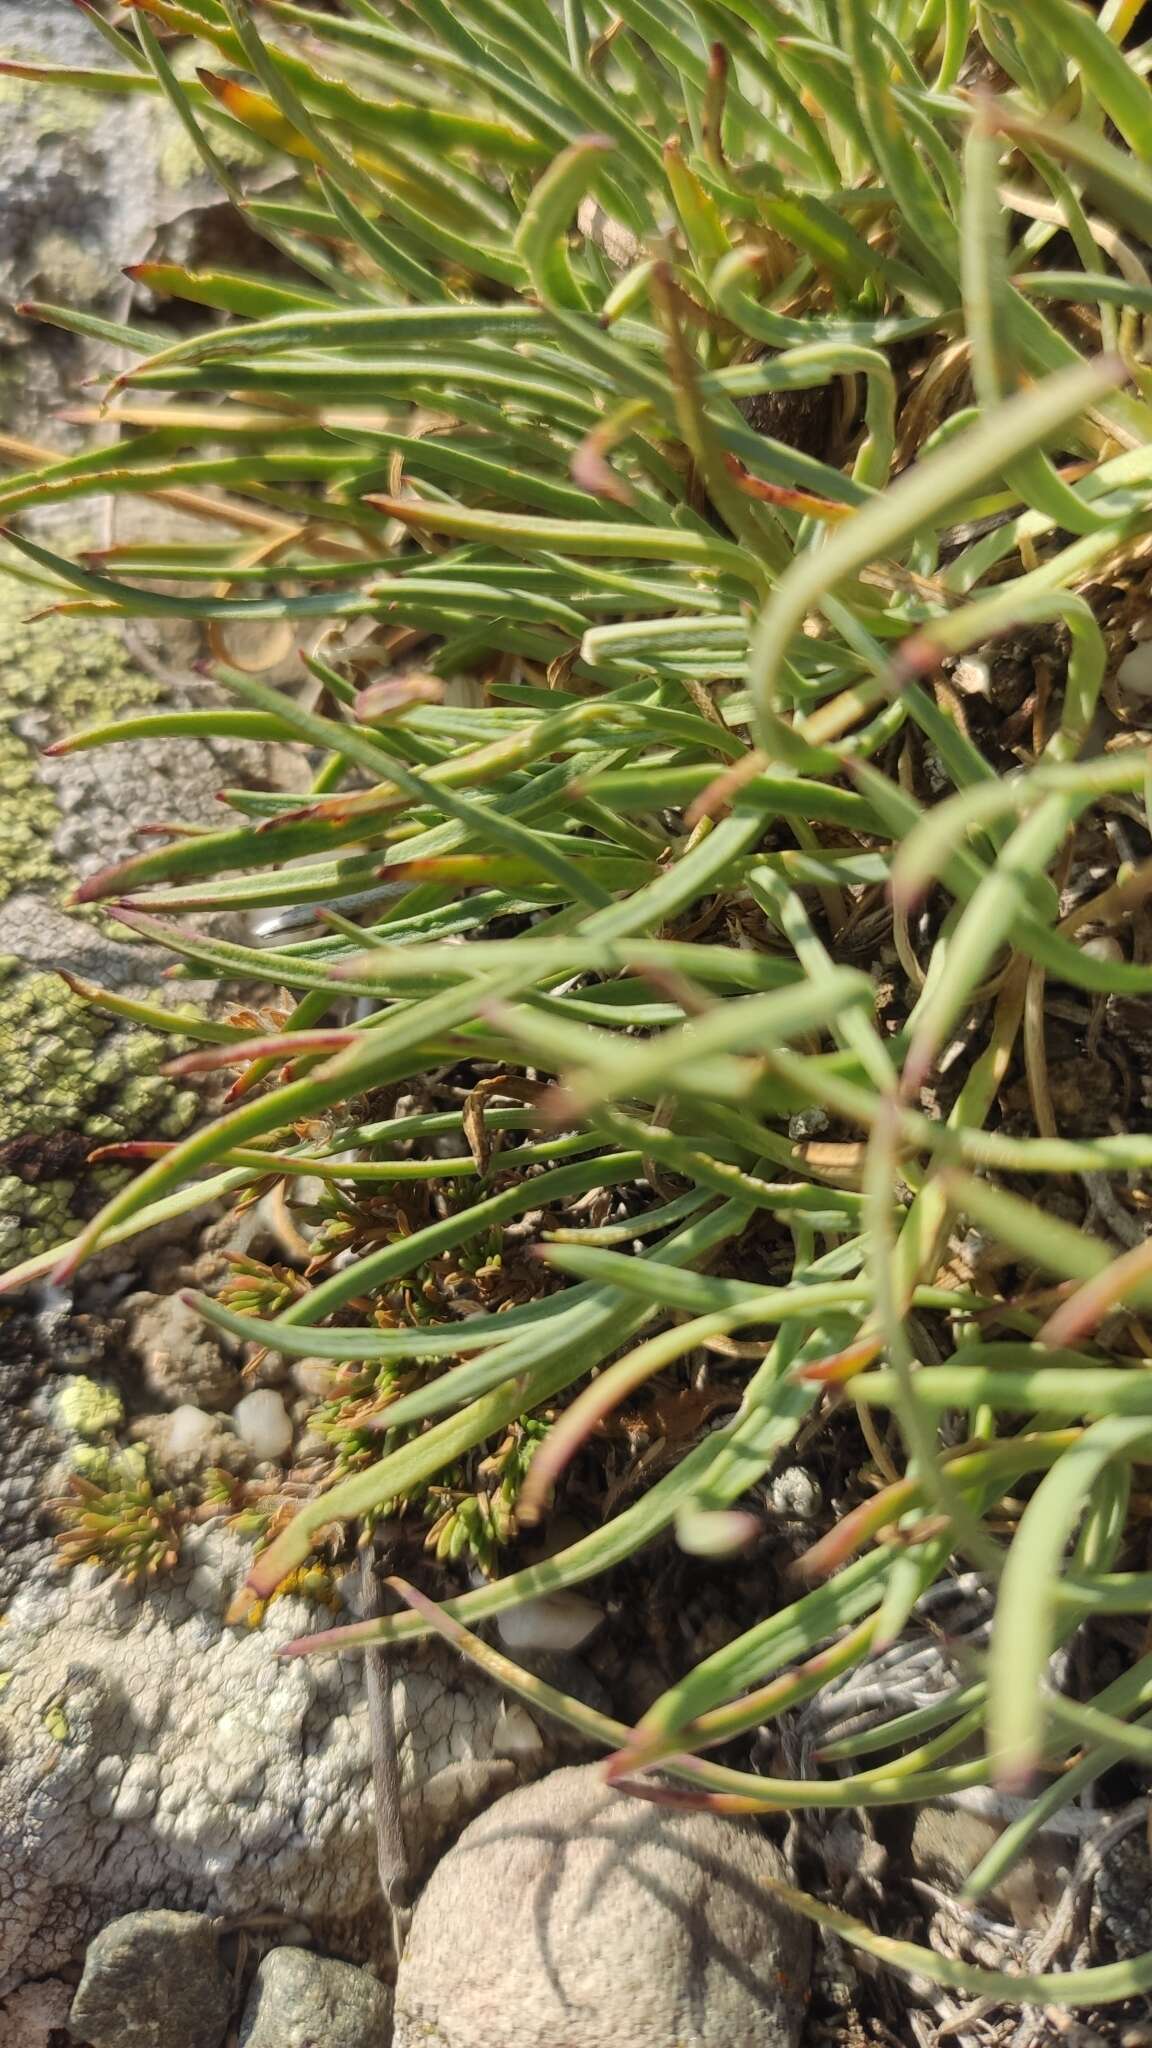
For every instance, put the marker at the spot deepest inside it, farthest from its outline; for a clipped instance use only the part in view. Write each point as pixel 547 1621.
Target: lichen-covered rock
pixel 85 181
pixel 150 1756
pixel 73 1080
pixel 75 1077
pixel 299 2000
pixel 56 675
pixel 612 1920
pixel 153 1980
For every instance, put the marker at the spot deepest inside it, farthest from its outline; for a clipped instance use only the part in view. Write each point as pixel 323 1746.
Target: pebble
pixel 619 1922
pixel 795 1495
pixel 948 1843
pixel 301 2000
pixel 1134 675
pixel 313 1376
pixel 555 1621
pixel 153 1980
pixel 186 1431
pixel 180 1357
pixel 262 1420
pixel 516 1733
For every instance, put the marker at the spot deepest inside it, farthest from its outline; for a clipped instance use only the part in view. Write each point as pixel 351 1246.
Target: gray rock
pixel 152 1756
pixel 153 1980
pixel 304 2001
pixel 1123 1902
pixel 570 1916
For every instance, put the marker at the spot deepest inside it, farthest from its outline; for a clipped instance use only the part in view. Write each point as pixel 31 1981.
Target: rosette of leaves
pixel 635 743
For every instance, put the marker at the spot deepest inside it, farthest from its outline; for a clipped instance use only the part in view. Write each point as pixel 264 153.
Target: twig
pixel 391 1848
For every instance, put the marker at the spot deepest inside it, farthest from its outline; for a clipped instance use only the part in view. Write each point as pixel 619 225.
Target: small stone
pixel 313 1376
pixel 263 1421
pixel 1134 675
pixel 187 1430
pixel 300 2000
pixel 153 1980
pixel 556 1621
pixel 949 1842
pixel 619 1922
pixel 794 1495
pixel 516 1733
pixel 971 677
pixel 808 1123
pixel 1102 946
pixel 181 1358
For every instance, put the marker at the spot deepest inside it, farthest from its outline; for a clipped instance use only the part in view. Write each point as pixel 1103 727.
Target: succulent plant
pixel 704 448
pixel 123 1524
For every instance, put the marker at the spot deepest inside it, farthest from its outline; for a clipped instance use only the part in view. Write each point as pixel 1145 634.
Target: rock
pixel 35 2015
pixel 181 1358
pixel 618 1921
pixel 553 1621
pixel 153 1980
pixel 75 1077
pixel 1123 1901
pixel 30 1446
pixel 85 182
pixel 151 1756
pixel 262 1420
pixel 949 1841
pixel 300 2000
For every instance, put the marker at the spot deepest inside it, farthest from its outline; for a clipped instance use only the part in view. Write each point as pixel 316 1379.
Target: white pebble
pixel 556 1621
pixel 313 1376
pixel 185 1430
pixel 262 1420
pixel 795 1495
pixel 1102 947
pixel 1134 675
pixel 515 1733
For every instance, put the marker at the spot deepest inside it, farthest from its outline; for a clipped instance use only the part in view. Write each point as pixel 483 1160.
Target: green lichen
pixel 28 819
pixel 110 1466
pixel 178 161
pixel 68 670
pixel 64 111
pixel 64 264
pixel 88 1408
pixel 73 1080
